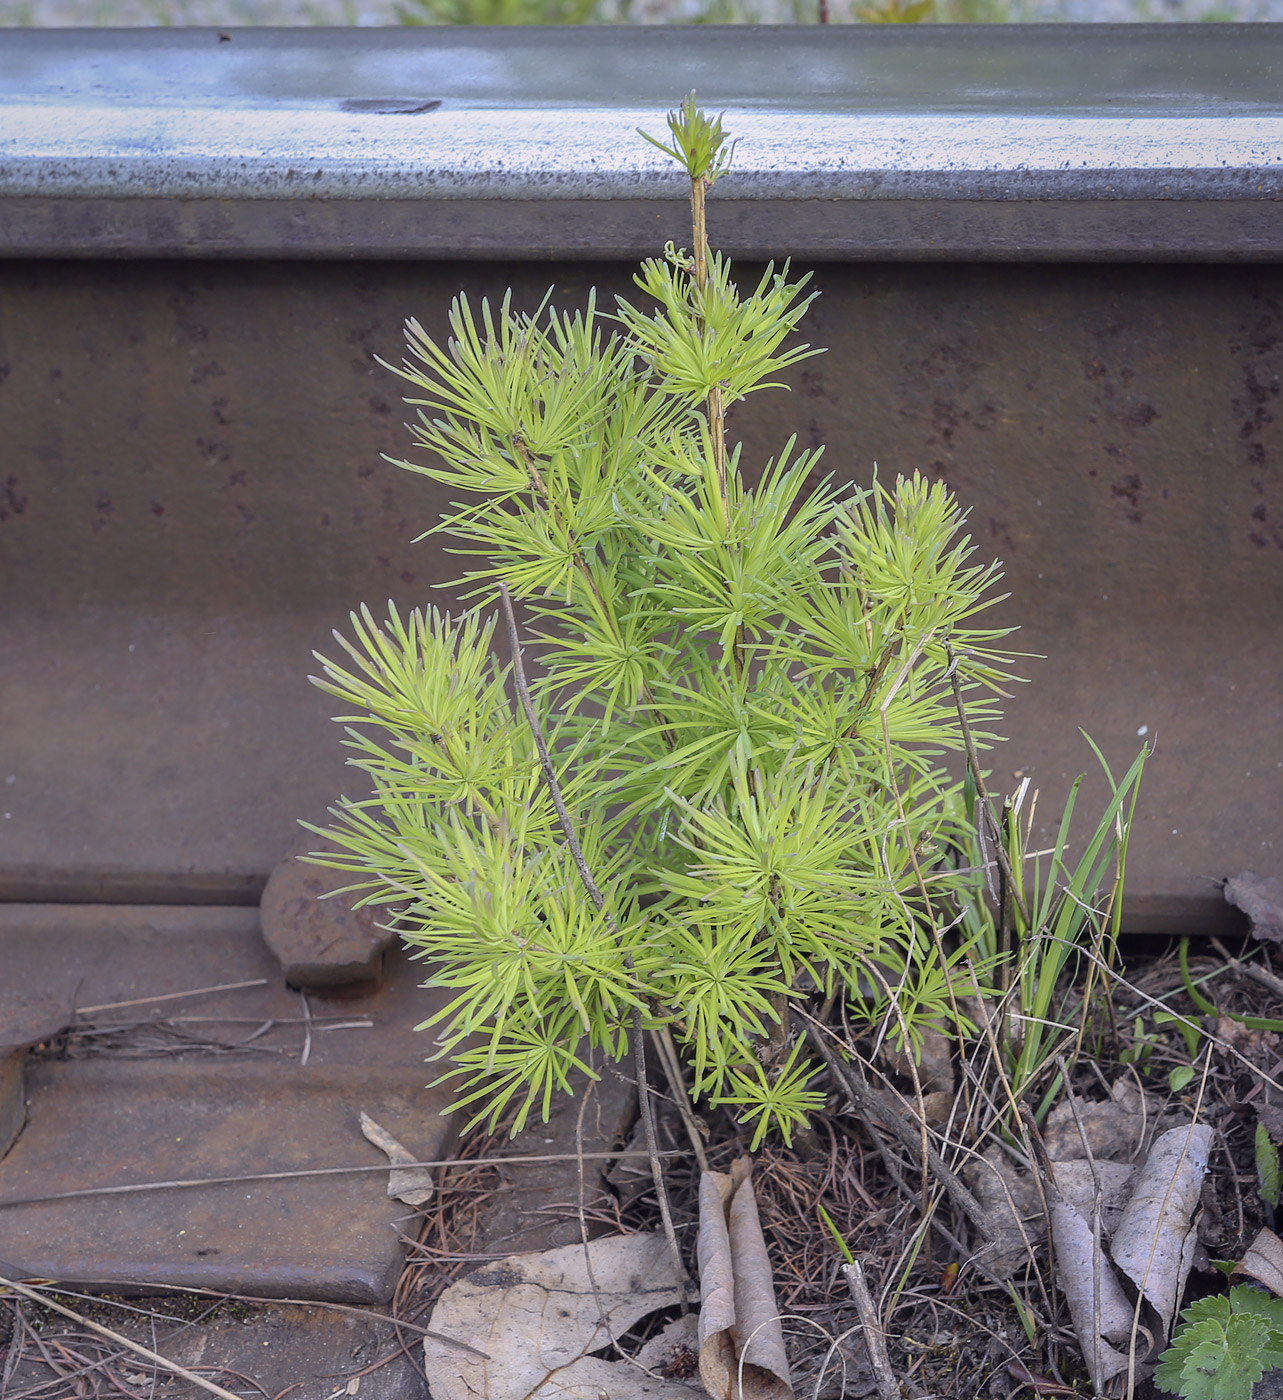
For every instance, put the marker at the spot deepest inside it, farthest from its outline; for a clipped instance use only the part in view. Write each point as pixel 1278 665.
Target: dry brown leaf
pixel 1236 1035
pixel 934 1066
pixel 1115 1128
pixel 1076 1190
pixel 938 1108
pixel 538 1318
pixel 739 1328
pixel 1084 1198
pixel 412 1185
pixel 1155 1240
pixel 1261 900
pixel 1078 1186
pixel 674 1351
pixel 1263 1261
pixel 1013 1203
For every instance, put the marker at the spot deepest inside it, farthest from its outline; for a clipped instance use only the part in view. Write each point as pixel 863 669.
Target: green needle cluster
pixel 745 680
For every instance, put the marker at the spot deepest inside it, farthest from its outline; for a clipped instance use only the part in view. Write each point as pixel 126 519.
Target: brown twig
pixel 599 903
pixel 874 1337
pixel 672 1067
pixel 172 996
pixel 364 1313
pixel 130 1188
pixel 869 1100
pixel 1250 969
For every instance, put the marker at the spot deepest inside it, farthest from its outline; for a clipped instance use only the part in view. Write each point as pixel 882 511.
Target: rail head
pixel 971 142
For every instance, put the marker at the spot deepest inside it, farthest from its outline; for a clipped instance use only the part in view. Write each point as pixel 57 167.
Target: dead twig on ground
pixel 874 1338
pixel 130 1187
pixel 672 1067
pixel 599 903
pixel 869 1101
pixel 172 996
pixel 1254 970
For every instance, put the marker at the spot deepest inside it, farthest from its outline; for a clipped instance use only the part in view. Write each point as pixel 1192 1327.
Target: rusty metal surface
pixel 146 956
pixel 185 1088
pixel 96 1122
pixel 193 497
pixel 536 1205
pixel 900 230
pixel 1116 435
pixel 30 1011
pixel 444 142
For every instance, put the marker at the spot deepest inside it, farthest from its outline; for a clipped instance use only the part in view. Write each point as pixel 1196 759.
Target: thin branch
pixel 549 772
pixel 672 1067
pixel 364 1313
pixel 131 1188
pixel 652 1147
pixel 869 1100
pixel 172 996
pixel 874 1337
pixel 599 903
pixel 699 229
pixel 1249 969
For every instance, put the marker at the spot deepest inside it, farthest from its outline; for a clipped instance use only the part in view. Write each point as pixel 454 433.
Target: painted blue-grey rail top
pixel 1048 141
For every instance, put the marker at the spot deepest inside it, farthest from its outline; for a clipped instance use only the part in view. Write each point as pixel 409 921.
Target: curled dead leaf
pixel 1261 899
pixel 413 1185
pixel 739 1327
pixel 1098 1306
pixel 1263 1261
pixel 1155 1240
pixel 1077 1184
